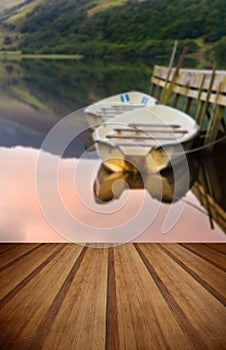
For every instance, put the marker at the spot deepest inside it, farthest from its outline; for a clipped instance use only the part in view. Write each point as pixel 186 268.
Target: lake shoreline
pixel 18 56
pixel 11 55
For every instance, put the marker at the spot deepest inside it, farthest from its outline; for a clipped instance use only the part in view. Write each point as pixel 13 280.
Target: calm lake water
pixel 56 202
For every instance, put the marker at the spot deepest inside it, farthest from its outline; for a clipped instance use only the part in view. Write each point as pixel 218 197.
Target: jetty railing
pixel 207 88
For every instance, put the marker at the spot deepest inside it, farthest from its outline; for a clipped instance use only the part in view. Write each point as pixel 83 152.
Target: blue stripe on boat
pixel 144 100
pixel 122 98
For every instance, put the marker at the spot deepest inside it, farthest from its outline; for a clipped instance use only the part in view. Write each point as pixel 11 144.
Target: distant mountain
pixel 97 28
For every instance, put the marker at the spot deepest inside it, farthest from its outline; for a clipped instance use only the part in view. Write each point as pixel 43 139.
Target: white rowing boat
pixel 151 138
pixel 108 108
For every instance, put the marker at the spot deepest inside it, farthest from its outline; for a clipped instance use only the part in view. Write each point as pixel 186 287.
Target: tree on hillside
pixel 7 40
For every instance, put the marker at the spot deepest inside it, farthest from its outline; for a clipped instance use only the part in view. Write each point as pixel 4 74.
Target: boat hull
pixel 150 139
pixel 154 161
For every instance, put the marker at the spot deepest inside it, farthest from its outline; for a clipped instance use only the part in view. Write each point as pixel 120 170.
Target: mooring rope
pixel 197 149
pixel 194 206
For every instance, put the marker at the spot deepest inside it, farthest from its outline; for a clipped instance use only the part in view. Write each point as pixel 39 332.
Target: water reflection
pixel 21 218
pixel 161 186
pixel 206 183
pixel 56 88
pixel 34 95
pixel 210 188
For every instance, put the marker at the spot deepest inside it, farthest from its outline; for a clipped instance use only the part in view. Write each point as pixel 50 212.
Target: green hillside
pixel 115 27
pixel 6 5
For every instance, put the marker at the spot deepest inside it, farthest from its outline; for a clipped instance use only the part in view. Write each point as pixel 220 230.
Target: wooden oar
pixel 137 144
pixel 206 104
pixel 175 76
pixel 155 125
pixel 137 137
pixel 169 71
pixel 151 130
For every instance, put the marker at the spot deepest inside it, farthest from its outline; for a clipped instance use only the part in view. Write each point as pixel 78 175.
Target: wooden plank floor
pixel 133 296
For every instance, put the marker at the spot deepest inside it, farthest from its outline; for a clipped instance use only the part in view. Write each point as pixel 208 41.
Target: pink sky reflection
pixel 22 220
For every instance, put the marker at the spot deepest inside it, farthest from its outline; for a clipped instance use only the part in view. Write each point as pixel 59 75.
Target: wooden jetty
pixel 133 296
pixel 203 92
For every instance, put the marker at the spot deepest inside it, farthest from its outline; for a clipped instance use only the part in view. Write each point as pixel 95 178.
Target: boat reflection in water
pixel 206 183
pixel 161 186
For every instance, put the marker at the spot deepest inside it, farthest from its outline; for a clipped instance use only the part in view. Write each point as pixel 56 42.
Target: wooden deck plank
pixel 7 246
pixel 20 317
pixel 220 247
pixel 16 253
pixel 144 318
pixel 80 321
pixel 205 273
pixel 133 296
pixel 18 272
pixel 202 250
pixel 204 312
pixel 112 329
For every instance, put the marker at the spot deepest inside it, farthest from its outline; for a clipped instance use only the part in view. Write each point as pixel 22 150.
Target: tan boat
pixel 151 139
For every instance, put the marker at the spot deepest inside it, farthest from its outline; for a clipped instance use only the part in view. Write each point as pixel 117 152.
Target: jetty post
pixel 203 89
